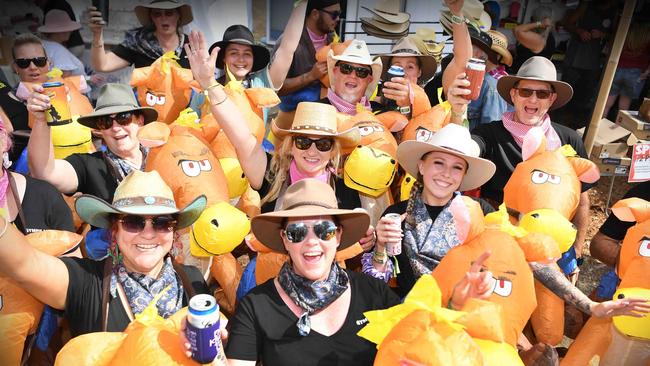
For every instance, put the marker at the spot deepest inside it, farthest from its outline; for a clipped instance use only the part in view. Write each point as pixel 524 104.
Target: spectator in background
pixel 160 33
pixel 74 43
pixel 534 38
pixel 633 68
pixel 302 83
pixel 56 30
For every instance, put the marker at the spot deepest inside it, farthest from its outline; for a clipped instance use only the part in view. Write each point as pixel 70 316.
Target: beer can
pixel 393 71
pixel 59 112
pixel 394 248
pixel 202 330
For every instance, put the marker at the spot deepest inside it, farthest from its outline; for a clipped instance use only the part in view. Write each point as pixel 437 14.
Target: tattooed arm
pixel 555 281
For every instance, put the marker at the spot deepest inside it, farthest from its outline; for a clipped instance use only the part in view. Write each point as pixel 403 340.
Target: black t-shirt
pixel 83 305
pixel 615 228
pixel 523 53
pixel 346 197
pixel 43 208
pixel 17 113
pixel 498 145
pixel 93 175
pixel 138 59
pixel 264 328
pixel 406 279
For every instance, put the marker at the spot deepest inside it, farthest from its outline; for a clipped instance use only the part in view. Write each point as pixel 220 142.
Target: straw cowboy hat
pixel 452 139
pixel 389 11
pixel 58 21
pixel 407 47
pixel 307 198
pixel 385 27
pixel 140 193
pixel 356 53
pixel 240 34
pixel 116 98
pixel 473 12
pixel 372 30
pixel 317 119
pixel 536 68
pixel 425 39
pixel 500 46
pixel 142 11
pixel 483 41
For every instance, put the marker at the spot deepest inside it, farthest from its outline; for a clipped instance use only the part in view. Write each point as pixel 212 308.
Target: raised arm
pixel 43 276
pixel 250 154
pixel 526 35
pixel 462 46
pixel 42 164
pixel 101 60
pixel 284 54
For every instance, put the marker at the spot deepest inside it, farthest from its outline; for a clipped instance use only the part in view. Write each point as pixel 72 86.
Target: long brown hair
pixel 637 39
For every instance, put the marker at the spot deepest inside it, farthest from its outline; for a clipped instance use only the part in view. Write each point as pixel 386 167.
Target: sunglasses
pixel 541 94
pixel 296 232
pixel 159 13
pixel 136 224
pixel 106 122
pixel 24 63
pixel 346 69
pixel 304 143
pixel 333 14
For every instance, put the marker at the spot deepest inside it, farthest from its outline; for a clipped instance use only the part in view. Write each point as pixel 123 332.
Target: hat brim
pixel 386 27
pixel 98 212
pixel 376 66
pixel 261 55
pixel 479 170
pixel 563 90
pixel 266 227
pixel 506 56
pixel 142 12
pixel 90 120
pixel 69 27
pixel 348 139
pixel 392 18
pixel 428 65
pixel 376 32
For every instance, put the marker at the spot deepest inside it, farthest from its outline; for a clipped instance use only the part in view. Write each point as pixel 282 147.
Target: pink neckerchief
pixel 316 40
pixel 4 184
pixel 519 130
pixel 296 175
pixel 344 106
pixel 498 72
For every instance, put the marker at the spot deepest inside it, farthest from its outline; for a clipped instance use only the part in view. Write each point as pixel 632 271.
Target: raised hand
pixel 631 307
pixel 38 103
pixel 95 21
pixel 399 90
pixel 476 284
pixel 455 6
pixel 202 63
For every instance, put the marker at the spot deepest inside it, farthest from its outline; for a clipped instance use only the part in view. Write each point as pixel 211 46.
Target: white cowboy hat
pixel 451 139
pixel 356 53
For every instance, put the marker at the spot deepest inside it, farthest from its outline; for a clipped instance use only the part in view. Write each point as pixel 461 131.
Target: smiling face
pixel 32 73
pixel 122 140
pixel 411 67
pixel 313 257
pixel 530 111
pixel 143 251
pixel 239 59
pixel 165 21
pixel 350 87
pixel 442 174
pixel 311 162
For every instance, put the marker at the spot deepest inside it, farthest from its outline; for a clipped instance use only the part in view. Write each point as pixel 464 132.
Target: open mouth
pixel 146 247
pixel 441 184
pixel 531 110
pixel 312 257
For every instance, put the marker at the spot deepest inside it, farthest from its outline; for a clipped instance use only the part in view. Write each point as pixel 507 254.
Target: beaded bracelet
pixel 368 268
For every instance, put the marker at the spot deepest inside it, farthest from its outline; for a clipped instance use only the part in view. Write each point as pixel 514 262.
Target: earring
pixel 114 253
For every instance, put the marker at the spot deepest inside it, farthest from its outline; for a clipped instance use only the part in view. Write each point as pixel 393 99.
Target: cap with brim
pixel 240 34
pixel 386 27
pixel 389 11
pixel 452 139
pixel 58 21
pixel 116 98
pixel 310 198
pixel 407 47
pixel 536 68
pixel 142 11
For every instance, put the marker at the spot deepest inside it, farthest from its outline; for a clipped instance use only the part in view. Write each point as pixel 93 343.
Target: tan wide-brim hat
pixel 318 119
pixel 308 198
pixel 389 10
pixel 140 193
pixel 537 68
pixel 356 53
pixel 407 47
pixel 142 11
pixel 452 139
pixel 371 30
pixel 386 27
pixel 58 21
pixel 500 46
pixel 116 98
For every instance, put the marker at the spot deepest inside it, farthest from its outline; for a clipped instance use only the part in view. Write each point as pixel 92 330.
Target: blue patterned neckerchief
pixel 120 168
pixel 426 241
pixel 312 295
pixel 143 41
pixel 140 289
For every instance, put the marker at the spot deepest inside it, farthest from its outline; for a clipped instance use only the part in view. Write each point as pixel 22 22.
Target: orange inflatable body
pixel 423 125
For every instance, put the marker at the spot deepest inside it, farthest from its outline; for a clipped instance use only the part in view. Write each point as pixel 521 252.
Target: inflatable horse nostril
pixel 535 215
pixel 620 296
pixel 392 161
pixel 214 222
pixel 359 146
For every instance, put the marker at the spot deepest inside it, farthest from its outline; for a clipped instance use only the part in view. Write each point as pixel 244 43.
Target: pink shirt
pixel 318 41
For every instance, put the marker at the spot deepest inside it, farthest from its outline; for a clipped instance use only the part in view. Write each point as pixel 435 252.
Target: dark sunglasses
pixel 346 69
pixel 333 14
pixel 24 63
pixel 159 13
pixel 106 122
pixel 135 224
pixel 541 94
pixel 296 232
pixel 304 143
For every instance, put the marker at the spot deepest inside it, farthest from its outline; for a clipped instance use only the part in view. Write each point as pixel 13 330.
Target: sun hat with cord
pixel 58 21
pixel 309 198
pixel 407 47
pixel 500 46
pixel 536 68
pixel 140 193
pixel 356 53
pixel 116 98
pixel 318 119
pixel 142 11
pixel 240 34
pixel 452 139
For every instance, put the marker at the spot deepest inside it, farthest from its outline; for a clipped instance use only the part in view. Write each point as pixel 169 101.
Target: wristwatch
pixel 405 110
pixel 458 19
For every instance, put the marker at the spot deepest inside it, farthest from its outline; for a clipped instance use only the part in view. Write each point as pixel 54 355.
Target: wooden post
pixel 608 76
